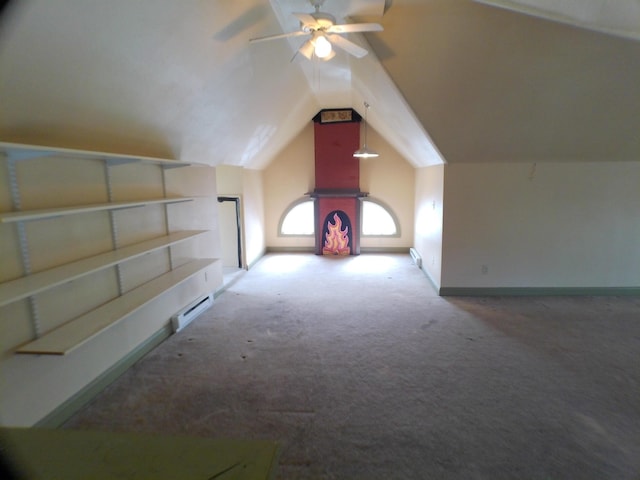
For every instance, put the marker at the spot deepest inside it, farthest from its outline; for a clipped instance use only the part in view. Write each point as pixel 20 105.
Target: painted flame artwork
pixel 336 240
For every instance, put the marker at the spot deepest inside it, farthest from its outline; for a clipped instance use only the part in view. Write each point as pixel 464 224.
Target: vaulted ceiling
pixel 447 80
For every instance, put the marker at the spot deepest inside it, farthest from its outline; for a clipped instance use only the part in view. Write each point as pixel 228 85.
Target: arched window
pixel 298 219
pixel 378 220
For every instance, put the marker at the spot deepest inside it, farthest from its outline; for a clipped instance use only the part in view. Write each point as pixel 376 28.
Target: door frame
pixel 236 200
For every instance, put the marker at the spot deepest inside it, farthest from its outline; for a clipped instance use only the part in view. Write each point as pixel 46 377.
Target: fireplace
pixel 337 236
pixel 337 192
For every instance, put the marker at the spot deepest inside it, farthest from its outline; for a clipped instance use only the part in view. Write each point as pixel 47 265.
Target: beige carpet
pixel 360 371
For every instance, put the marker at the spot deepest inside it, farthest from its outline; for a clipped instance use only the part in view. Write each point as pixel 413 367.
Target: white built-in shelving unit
pixel 70 335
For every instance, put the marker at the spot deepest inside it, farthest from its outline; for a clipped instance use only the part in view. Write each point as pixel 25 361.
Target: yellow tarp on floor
pixel 73 454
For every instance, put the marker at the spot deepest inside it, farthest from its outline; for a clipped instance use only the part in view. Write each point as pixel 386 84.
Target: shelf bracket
pixel 119 161
pixel 113 224
pixel 17 155
pixel 22 241
pixel 166 215
pixel 13 184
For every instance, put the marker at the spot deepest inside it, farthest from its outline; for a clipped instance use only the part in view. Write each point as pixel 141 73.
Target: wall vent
pixel 415 256
pixel 183 318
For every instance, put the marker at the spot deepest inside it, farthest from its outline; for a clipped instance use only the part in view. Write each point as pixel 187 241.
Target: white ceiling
pixel 447 80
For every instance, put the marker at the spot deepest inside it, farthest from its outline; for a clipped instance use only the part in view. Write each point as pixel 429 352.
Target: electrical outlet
pixel 484 269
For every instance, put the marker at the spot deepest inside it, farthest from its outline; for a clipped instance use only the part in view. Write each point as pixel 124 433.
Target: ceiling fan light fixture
pixel 325 34
pixel 322 47
pixel 364 152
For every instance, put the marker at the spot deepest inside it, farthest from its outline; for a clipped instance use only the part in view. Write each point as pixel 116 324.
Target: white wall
pixel 428 219
pixel 248 186
pixel 253 215
pixel 572 224
pixel 390 179
pixel 229 180
pixel 287 178
pixel 229 183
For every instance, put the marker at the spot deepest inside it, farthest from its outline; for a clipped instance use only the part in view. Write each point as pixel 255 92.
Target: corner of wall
pixel 428 222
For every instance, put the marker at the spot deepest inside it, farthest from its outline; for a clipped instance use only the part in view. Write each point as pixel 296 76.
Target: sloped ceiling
pixel 616 17
pixel 489 84
pixel 447 80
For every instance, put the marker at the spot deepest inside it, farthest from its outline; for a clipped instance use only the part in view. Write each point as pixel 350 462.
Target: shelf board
pixel 26 215
pixel 24 287
pixel 71 335
pixel 21 151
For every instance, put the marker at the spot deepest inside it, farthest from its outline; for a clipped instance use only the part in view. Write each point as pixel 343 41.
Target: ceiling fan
pixel 324 34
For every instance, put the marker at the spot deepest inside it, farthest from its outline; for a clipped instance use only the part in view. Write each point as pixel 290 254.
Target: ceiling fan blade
pixel 306 19
pixel 281 35
pixel 307 49
pixel 355 27
pixel 347 45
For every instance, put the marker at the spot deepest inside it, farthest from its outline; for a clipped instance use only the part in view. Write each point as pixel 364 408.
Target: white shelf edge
pixel 41 214
pixel 24 287
pixel 21 151
pixel 71 335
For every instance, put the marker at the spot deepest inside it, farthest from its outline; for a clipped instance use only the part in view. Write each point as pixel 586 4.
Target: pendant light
pixel 364 152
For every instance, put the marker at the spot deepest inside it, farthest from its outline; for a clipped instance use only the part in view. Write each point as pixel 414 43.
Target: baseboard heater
pixel 415 256
pixel 183 318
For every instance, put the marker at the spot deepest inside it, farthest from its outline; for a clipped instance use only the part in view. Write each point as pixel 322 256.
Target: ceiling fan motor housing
pixel 316 4
pixel 323 20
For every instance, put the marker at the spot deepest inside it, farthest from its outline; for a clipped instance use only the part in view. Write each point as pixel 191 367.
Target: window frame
pixel 286 212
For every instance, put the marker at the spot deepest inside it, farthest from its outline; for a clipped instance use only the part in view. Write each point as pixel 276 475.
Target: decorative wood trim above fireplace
pixel 337 192
pixel 334 115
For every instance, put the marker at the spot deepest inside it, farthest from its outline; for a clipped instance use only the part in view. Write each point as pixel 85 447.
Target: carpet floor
pixel 360 371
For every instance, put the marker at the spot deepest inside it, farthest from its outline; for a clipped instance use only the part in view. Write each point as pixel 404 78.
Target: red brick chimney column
pixel 337 176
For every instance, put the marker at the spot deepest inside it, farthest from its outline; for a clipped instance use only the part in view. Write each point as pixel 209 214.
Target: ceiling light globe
pixel 323 47
pixel 365 153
